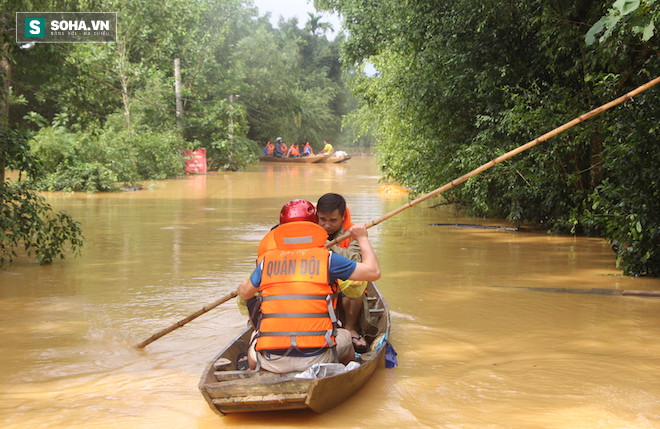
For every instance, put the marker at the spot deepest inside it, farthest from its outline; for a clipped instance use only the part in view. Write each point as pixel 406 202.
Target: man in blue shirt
pixel 338 267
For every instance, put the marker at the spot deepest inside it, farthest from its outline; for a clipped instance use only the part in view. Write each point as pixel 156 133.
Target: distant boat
pixel 229 390
pixel 301 159
pixel 337 157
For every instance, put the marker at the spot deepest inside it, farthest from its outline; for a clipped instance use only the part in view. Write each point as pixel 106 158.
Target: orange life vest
pixel 269 148
pixel 347 225
pixel 295 151
pixel 267 243
pixel 297 303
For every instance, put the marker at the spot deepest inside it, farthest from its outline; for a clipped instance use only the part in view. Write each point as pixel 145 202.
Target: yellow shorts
pixel 352 288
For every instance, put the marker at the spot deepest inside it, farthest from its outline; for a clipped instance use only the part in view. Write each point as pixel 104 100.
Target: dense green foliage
pixel 243 82
pixel 625 206
pixel 98 162
pixel 91 116
pixel 27 220
pixel 461 82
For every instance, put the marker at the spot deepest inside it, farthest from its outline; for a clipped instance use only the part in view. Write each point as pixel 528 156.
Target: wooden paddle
pixel 504 157
pixel 425 197
pixel 182 322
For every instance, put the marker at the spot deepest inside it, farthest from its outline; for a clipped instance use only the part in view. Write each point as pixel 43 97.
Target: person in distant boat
pixel 335 218
pixel 268 149
pixel 297 324
pixel 327 148
pixel 294 151
pixel 277 151
pixel 307 150
pixel 280 148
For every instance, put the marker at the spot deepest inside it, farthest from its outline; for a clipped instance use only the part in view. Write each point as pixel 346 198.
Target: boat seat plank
pixel 222 376
pixel 262 386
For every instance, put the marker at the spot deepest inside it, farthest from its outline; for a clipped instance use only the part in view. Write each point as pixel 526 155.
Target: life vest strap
pixel 295 315
pixel 331 311
pixel 296 334
pixel 328 338
pixel 272 355
pixel 294 350
pixel 299 296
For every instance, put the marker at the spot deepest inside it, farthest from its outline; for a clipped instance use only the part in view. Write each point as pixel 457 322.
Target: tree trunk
pixel 595 173
pixel 123 77
pixel 177 93
pixel 5 73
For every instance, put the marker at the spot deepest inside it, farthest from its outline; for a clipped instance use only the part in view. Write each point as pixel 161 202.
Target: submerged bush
pixel 86 176
pixel 97 162
pixel 232 156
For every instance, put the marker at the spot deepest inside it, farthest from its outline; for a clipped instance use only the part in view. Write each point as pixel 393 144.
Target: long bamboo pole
pixel 185 320
pixel 506 156
pixel 425 197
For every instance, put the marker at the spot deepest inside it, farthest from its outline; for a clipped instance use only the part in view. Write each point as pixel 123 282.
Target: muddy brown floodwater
pixel 476 348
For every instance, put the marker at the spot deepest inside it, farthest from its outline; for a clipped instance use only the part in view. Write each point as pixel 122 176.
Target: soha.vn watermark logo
pixel 66 27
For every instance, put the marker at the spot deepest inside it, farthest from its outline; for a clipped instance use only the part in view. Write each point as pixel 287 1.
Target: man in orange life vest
pixel 335 218
pixel 268 149
pixel 294 151
pixel 297 325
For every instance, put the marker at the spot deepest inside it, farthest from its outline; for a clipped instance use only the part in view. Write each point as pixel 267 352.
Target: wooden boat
pixel 229 390
pixel 336 158
pixel 299 160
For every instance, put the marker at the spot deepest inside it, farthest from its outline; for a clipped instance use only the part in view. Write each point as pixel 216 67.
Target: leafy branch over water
pixel 27 220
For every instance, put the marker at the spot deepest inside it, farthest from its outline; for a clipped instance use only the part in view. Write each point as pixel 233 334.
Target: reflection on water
pixel 470 354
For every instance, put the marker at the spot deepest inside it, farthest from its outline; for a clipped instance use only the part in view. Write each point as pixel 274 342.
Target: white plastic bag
pixel 320 370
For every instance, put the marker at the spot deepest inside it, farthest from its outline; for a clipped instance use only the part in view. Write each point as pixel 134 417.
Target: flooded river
pixel 476 347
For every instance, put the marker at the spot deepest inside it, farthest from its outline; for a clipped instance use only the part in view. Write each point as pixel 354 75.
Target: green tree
pixel 314 25
pixel 625 206
pixel 461 82
pixel 289 81
pixel 26 219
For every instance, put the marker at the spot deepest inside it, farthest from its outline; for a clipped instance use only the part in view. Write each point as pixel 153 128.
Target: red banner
pixel 195 161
